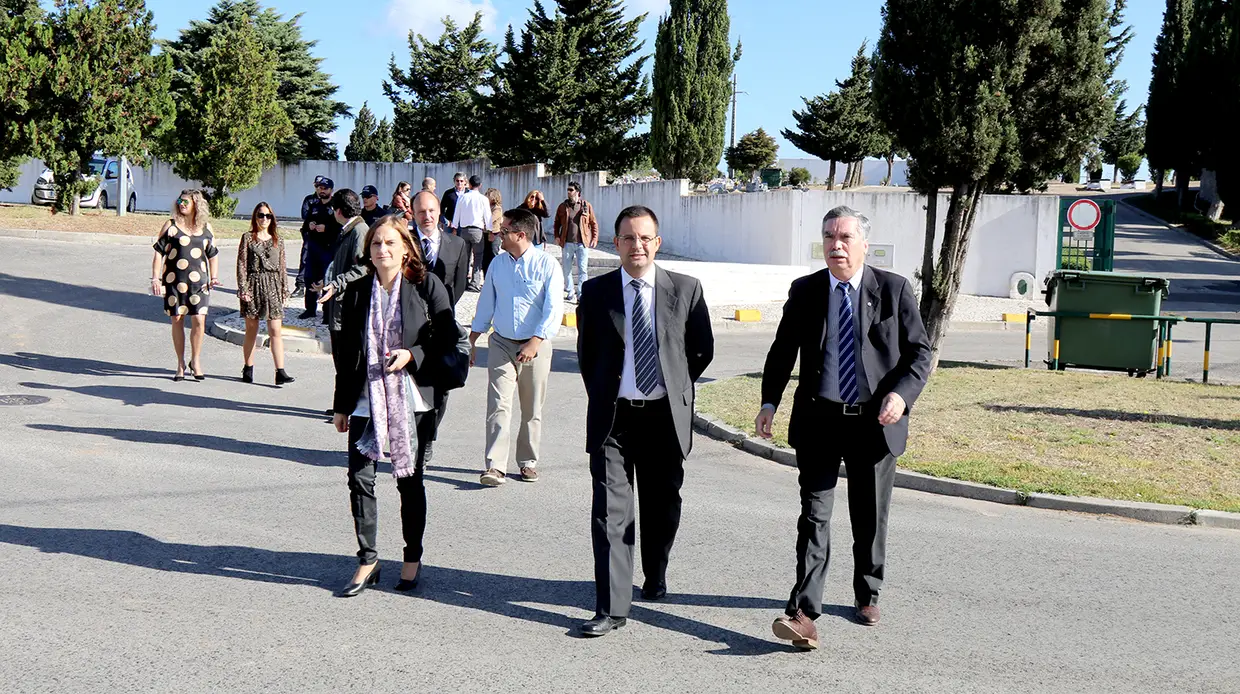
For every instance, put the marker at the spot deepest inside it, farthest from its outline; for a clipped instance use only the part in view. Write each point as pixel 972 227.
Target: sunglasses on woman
pixel 182 201
pixel 261 215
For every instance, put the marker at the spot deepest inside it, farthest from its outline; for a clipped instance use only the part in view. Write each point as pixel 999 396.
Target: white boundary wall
pixel 1013 233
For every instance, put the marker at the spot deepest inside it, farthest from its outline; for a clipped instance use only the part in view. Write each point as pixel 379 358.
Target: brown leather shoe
pixel 798 629
pixel 867 615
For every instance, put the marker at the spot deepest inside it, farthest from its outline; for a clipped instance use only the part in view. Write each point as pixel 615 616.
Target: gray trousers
pixel 473 239
pixel 871 474
pixel 504 375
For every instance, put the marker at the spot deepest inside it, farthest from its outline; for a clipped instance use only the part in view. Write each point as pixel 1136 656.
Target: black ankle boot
pixel 282 378
pixel 247 374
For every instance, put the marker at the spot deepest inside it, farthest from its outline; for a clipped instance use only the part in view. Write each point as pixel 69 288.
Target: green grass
pixel 107 222
pixel 1221 232
pixel 1066 433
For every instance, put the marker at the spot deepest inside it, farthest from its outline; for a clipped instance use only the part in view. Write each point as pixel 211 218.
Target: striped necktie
pixel 848 348
pixel 426 252
pixel 645 354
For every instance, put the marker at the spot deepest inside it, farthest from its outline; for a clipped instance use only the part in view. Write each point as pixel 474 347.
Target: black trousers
pixel 860 445
pixel 428 427
pixel 365 507
pixel 643 444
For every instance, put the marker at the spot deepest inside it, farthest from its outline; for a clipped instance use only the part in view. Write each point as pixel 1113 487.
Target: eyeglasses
pixel 182 201
pixel 260 215
pixel 645 240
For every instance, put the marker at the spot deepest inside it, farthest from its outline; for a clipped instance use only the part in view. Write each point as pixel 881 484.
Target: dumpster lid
pixel 1102 277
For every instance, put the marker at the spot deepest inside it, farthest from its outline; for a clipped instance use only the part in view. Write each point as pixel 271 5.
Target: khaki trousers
pixel 530 381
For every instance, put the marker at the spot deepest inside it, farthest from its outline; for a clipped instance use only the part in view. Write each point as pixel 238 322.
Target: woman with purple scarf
pixel 394 322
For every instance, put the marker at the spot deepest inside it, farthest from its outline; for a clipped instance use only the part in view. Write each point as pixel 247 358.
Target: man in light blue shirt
pixel 521 301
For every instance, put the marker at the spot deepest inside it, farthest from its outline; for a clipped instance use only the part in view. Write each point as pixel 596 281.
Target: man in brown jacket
pixel 576 229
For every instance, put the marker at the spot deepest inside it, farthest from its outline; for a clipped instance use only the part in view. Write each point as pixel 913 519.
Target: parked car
pixel 105 195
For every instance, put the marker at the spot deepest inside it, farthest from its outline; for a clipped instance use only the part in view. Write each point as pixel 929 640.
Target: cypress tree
pixel 692 87
pixel 436 100
pixel 228 128
pixel 305 92
pixel 24 58
pixel 1124 136
pixel 1166 114
pixel 361 140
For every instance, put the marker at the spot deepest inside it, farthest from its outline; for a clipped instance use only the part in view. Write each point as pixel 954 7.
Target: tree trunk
pixel 831 177
pixel 1159 176
pixel 891 162
pixel 938 303
pixel 1181 188
pixel 858 173
pixel 1115 173
pixel 927 257
pixel 848 175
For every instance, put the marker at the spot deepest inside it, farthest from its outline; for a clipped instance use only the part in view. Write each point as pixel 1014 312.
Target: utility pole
pixel 122 187
pixel 732 141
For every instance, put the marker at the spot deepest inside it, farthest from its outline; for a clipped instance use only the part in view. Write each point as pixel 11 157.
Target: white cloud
pixel 423 16
pixel 656 8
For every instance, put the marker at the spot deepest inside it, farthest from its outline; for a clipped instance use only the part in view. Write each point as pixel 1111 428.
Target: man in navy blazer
pixel 865 358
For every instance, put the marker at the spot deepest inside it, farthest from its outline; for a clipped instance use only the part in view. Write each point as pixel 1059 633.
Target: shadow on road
pixel 138 396
pixel 127 304
pixel 1121 416
pixel 32 361
pixel 305 456
pixel 498 594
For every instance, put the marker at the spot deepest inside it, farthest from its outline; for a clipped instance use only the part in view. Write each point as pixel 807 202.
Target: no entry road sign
pixel 1084 214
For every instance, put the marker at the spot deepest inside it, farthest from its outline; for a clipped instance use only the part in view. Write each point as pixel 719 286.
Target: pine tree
pixel 692 87
pixel 529 93
pixel 436 101
pixel 841 126
pixel 385 142
pixel 228 127
pixel 102 91
pixel 305 91
pixel 25 39
pixel 1167 116
pixel 360 147
pixel 1016 94
pixel 754 151
pixel 614 95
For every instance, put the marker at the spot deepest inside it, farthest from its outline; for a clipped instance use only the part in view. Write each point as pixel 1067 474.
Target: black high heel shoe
pixel 282 378
pixel 247 374
pixel 355 588
pixel 405 585
pixel 180 374
pixel 197 376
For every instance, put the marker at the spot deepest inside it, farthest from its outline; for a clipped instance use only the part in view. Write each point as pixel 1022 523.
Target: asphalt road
pixel 185 537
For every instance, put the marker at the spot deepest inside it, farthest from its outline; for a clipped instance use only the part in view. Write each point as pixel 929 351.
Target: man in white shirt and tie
pixel 471 218
pixel 643 339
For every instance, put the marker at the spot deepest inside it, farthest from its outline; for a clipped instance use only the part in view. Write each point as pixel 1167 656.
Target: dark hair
pixel 402 184
pixel 271 226
pixel 575 186
pixel 347 202
pixel 523 221
pixel 475 181
pixel 414 269
pixel 637 212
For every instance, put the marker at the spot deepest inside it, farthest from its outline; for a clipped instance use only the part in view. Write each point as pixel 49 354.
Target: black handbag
pixel 446 371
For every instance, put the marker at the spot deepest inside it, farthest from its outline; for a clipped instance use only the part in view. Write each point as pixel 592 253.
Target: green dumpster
pixel 1092 343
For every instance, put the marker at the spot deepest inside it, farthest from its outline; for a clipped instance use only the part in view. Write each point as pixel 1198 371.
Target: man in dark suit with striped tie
pixel 643 339
pixel 865 358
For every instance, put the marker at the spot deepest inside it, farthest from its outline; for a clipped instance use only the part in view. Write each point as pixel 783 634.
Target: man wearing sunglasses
pixel 576 229
pixel 447 204
pixel 319 231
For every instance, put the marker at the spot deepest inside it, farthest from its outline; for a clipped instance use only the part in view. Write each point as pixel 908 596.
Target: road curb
pixel 292 343
pixel 907 479
pixel 93 238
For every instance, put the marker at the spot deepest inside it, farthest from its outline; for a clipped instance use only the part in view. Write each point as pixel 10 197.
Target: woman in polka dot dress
pixel 183 272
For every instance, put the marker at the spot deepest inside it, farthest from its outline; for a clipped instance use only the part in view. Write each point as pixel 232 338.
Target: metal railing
pixel 1166 326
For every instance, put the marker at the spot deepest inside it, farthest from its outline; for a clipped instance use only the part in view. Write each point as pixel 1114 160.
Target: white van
pixel 106 194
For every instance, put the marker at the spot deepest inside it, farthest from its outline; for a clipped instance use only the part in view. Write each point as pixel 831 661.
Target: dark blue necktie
pixel 645 354
pixel 848 348
pixel 426 252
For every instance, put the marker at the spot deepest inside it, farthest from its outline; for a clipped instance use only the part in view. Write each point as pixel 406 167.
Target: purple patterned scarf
pixel 389 408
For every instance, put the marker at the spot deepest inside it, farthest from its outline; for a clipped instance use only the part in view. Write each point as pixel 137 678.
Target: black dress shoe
pixel 282 378
pixel 307 314
pixel 654 591
pixel 247 374
pixel 354 588
pixel 405 586
pixel 602 625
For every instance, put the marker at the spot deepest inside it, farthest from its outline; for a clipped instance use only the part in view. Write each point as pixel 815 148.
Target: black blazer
pixel 686 347
pixel 894 349
pixel 452 264
pixel 438 336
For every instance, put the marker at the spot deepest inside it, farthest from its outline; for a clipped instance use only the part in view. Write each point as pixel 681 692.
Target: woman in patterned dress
pixel 183 271
pixel 262 287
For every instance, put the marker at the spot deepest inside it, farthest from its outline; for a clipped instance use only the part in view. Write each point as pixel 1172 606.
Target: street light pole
pixel 123 187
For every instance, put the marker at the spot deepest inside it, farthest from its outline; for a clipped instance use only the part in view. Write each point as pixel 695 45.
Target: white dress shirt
pixel 628 379
pixel 472 210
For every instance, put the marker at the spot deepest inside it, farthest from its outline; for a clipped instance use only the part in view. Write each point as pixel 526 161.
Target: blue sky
pixel 792 48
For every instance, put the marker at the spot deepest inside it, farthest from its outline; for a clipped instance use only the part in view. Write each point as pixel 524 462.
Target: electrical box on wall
pixel 881 255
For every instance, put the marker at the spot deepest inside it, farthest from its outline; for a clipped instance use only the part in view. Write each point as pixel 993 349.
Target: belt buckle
pixel 637 403
pixel 852 410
